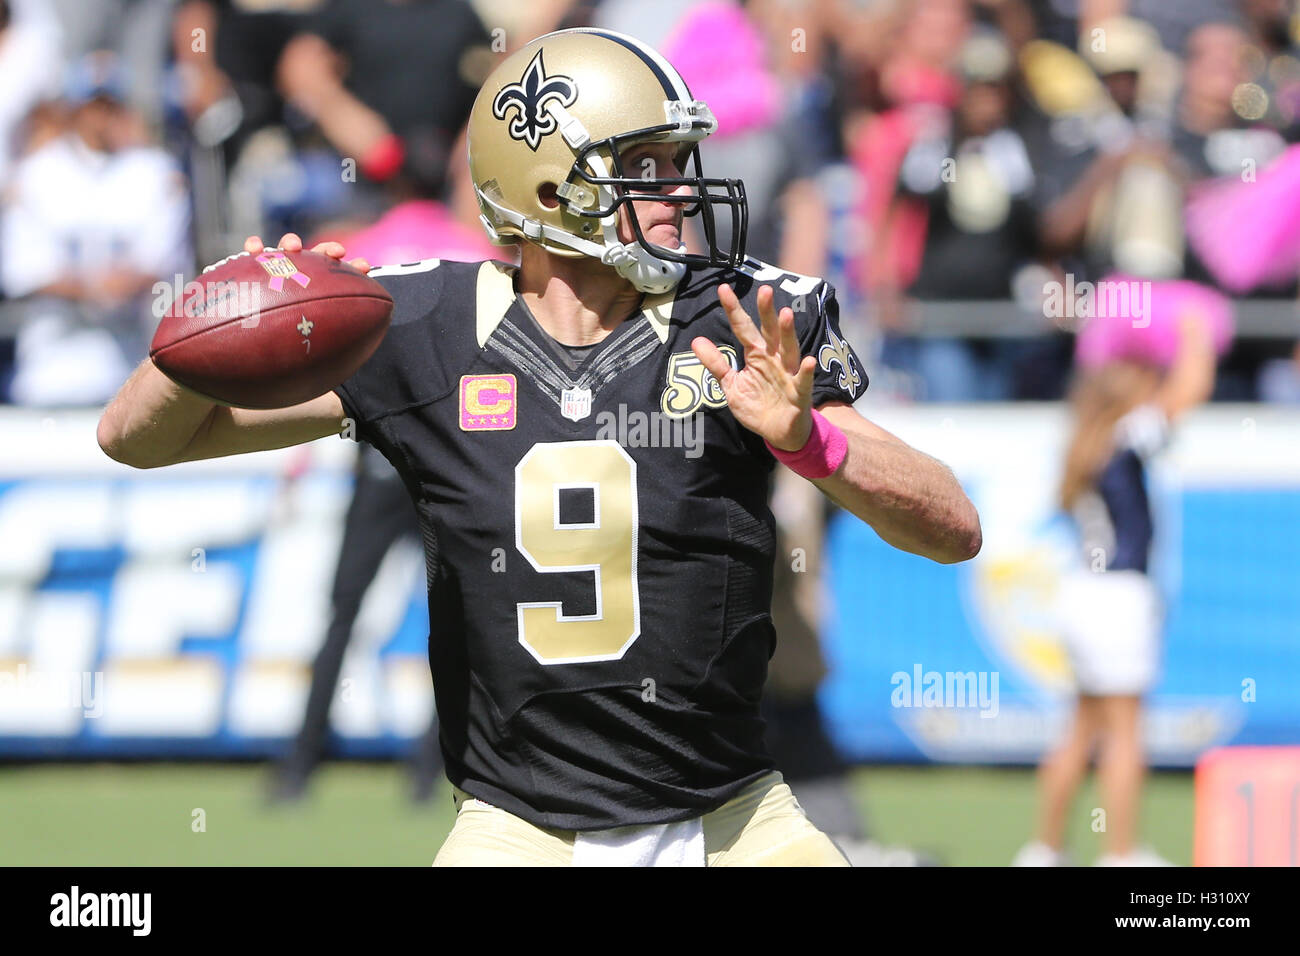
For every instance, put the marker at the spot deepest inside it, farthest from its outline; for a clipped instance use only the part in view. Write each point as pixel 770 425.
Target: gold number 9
pixel 606 546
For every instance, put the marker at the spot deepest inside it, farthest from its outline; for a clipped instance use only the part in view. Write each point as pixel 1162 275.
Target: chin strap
pixel 648 273
pixel 631 260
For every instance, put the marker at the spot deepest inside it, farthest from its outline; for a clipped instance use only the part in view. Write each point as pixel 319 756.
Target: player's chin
pixel 665 234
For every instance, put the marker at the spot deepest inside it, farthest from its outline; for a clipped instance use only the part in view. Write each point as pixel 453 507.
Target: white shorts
pixel 1111 622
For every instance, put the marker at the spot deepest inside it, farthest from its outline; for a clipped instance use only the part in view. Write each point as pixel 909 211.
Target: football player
pixel 588 440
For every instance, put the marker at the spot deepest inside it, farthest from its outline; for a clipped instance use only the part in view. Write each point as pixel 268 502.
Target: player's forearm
pixel 152 420
pixel 912 501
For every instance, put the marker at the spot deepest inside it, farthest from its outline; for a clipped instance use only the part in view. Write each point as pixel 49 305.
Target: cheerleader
pixel 1111 612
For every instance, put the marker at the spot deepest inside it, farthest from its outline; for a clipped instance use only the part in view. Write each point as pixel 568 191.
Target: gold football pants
pixel 763 825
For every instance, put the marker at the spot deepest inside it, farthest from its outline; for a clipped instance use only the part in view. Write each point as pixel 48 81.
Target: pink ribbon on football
pixel 277 281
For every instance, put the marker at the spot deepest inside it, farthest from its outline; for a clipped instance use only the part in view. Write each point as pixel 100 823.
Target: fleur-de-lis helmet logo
pixel 837 352
pixel 528 98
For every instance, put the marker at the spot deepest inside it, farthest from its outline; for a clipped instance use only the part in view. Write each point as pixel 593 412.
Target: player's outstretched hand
pixel 772 394
pixel 291 242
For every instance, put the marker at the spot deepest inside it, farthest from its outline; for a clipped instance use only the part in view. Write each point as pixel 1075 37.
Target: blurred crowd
pixel 943 162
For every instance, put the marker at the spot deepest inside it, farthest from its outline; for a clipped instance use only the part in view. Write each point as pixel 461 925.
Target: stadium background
pixel 157 628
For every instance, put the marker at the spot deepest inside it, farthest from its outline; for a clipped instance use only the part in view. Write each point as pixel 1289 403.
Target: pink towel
pixel 415 230
pixel 1248 233
pixel 720 55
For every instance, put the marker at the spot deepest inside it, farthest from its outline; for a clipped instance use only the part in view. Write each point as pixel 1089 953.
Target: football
pixel 271 330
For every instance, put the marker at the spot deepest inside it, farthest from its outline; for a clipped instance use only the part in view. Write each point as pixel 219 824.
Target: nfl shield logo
pixel 575 403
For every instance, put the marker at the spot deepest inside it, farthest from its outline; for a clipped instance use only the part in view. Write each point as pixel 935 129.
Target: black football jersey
pixel 598 542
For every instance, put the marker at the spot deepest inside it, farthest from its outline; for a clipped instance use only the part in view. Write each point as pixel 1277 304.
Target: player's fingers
pixel 789 343
pixel 359 264
pixel 767 319
pixel 334 250
pixel 711 357
pixel 740 321
pixel 803 379
pixel 253 245
pixel 290 242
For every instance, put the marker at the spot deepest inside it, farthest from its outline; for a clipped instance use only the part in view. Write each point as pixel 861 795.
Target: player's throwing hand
pixel 290 242
pixel 771 394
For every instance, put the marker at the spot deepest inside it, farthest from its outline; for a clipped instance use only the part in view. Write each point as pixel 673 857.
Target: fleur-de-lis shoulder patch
pixel 528 99
pixel 837 352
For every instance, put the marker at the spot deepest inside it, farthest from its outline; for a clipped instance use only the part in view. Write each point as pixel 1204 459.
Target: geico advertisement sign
pixel 187 602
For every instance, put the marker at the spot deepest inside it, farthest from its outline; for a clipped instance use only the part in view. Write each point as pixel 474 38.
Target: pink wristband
pixel 820 455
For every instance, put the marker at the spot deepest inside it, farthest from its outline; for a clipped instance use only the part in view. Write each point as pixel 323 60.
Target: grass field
pixel 144 814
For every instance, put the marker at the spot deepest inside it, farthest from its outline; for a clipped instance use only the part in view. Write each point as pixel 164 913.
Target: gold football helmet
pixel 544 141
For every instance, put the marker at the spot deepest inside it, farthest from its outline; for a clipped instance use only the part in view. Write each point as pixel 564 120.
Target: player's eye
pixel 648 168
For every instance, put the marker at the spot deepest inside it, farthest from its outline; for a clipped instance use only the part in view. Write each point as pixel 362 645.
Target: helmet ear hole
pixel 547 195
